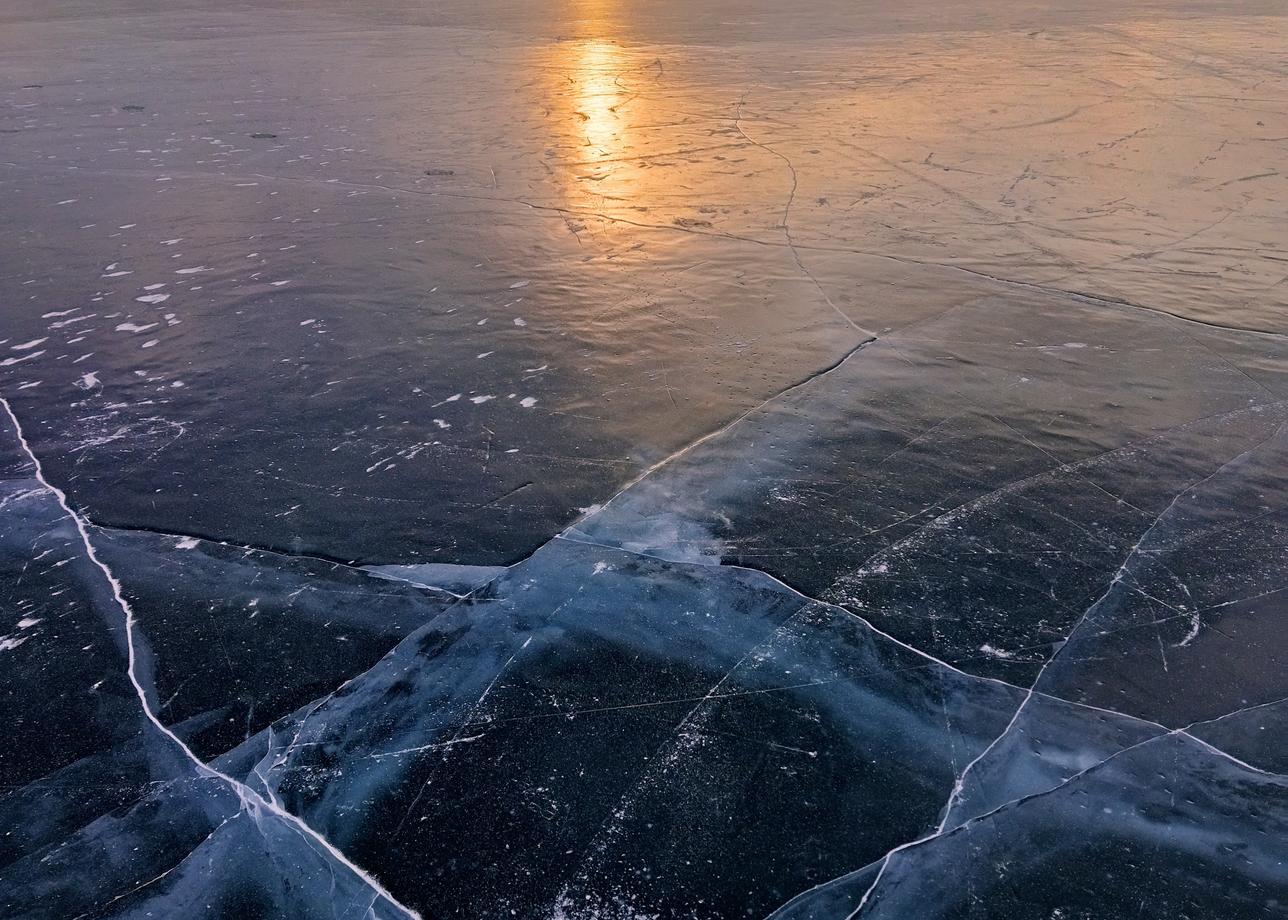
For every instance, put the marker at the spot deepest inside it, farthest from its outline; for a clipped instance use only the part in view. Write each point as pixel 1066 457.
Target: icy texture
pixel 643 461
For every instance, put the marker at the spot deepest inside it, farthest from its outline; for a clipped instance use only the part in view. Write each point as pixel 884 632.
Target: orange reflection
pixel 600 93
pixel 627 139
pixel 595 102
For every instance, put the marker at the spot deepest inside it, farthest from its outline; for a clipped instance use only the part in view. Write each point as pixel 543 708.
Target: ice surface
pixel 643 461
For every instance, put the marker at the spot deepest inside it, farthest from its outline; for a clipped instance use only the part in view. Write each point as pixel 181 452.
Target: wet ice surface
pixel 620 460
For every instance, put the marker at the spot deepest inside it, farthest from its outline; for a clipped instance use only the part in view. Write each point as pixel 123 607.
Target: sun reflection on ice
pixel 600 95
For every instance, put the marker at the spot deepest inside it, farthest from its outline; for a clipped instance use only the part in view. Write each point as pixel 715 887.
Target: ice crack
pixel 250 799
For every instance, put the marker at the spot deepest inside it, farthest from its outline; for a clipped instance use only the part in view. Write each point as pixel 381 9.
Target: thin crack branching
pixel 100 910
pixel 459 735
pixel 1122 571
pixel 930 659
pixel 315 705
pixel 1073 466
pixel 787 215
pixel 884 860
pixel 252 802
pixel 674 741
pixel 1043 287
pixel 681 452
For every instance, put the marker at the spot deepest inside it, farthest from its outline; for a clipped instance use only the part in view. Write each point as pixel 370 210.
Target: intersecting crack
pixel 251 801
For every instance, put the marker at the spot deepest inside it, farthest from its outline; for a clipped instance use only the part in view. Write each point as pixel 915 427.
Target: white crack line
pixel 250 799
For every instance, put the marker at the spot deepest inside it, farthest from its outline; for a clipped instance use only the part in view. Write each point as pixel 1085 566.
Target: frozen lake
pixel 644 460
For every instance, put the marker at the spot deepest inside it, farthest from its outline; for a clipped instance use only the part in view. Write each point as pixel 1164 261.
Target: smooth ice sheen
pixel 621 460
